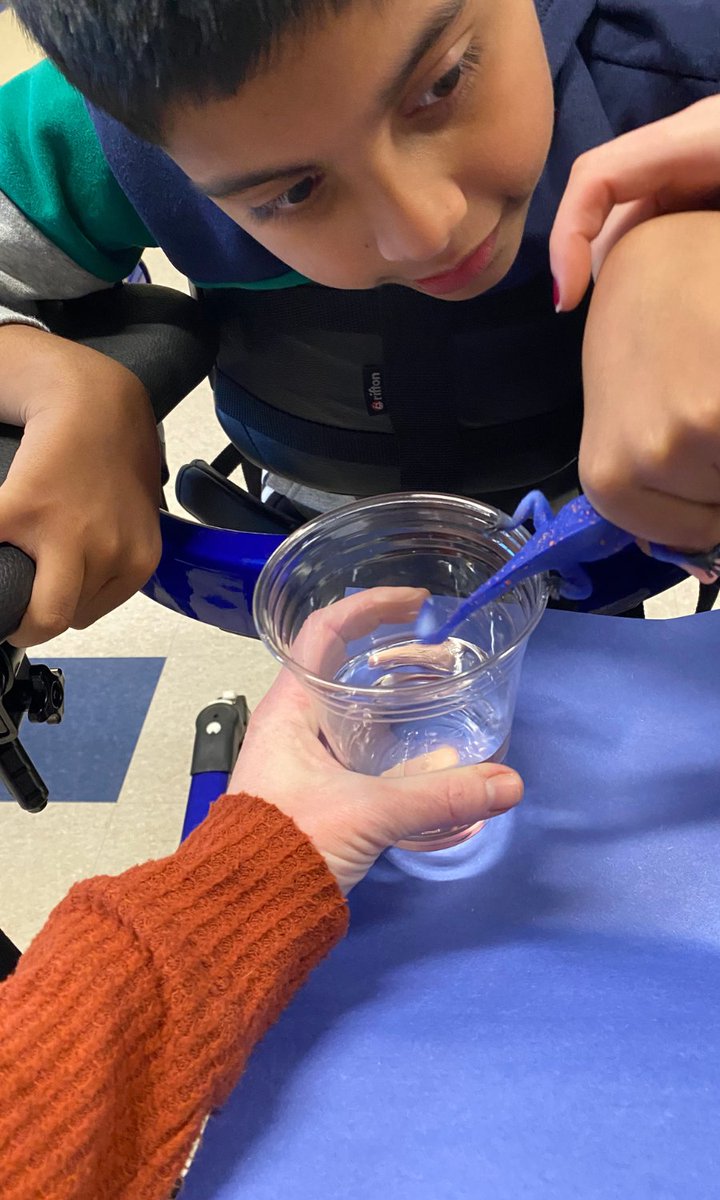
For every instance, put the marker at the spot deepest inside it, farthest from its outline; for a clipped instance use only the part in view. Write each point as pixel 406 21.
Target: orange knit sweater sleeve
pixel 133 1012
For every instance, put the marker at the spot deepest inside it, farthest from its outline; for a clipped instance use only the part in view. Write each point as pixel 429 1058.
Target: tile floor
pixel 40 856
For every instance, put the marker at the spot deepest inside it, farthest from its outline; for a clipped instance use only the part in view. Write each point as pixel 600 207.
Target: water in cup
pixel 477 730
pixel 338 602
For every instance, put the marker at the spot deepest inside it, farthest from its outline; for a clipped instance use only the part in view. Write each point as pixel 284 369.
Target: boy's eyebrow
pixel 434 28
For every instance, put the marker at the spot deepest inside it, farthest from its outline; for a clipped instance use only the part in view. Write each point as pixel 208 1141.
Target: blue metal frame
pixel 204 790
pixel 210 574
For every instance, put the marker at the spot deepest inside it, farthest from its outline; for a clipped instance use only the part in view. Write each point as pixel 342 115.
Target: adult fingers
pixel 320 645
pixel 670 165
pixel 443 799
pixel 439 759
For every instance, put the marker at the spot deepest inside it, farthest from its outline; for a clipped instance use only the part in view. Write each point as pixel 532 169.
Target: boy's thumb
pixel 430 793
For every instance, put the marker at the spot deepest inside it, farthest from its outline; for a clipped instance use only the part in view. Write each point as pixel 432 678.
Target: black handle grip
pixel 22 778
pixel 17 575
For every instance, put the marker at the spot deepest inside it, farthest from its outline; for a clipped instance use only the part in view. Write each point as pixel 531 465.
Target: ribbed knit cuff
pixel 143 996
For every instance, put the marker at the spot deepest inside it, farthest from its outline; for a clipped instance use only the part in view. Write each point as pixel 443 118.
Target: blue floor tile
pixel 86 757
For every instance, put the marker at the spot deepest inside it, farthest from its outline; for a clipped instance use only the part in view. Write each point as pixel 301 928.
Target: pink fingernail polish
pixel 556 296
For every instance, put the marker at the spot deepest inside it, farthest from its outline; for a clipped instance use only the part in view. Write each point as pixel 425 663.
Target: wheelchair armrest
pixel 210 574
pixel 215 500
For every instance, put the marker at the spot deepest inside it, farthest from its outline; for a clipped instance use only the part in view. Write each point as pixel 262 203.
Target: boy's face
pixel 399 142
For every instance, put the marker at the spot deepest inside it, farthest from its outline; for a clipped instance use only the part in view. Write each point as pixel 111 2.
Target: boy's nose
pixel 414 222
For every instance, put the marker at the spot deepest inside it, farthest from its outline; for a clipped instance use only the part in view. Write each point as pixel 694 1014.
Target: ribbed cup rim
pixel 331 520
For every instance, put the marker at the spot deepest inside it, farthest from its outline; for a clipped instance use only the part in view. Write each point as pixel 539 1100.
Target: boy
pixel 400 155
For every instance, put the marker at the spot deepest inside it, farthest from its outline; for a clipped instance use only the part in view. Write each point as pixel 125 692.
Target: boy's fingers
pixel 102 595
pixel 114 593
pixel 653 516
pixel 58 584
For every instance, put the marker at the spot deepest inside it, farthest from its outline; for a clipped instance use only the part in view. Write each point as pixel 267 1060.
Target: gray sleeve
pixel 18 316
pixel 32 268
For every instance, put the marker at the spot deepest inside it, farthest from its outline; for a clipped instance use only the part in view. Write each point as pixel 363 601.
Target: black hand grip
pixel 22 778
pixel 17 575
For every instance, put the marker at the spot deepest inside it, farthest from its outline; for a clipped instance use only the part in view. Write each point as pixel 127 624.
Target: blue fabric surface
pixel 106 701
pixel 533 1016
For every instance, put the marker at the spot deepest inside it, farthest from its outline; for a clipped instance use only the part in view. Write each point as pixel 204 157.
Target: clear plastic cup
pixel 337 604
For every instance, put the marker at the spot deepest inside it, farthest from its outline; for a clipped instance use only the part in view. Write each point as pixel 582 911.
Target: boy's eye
pixel 298 193
pixel 294 196
pixel 442 88
pixel 449 83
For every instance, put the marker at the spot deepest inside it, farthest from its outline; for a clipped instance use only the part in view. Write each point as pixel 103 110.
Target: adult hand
pixel 351 818
pixel 670 166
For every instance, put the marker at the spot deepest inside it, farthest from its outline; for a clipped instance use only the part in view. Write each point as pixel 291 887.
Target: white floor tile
pixel 16 53
pixel 41 856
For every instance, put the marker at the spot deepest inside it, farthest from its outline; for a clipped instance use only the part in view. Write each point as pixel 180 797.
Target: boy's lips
pixel 463 273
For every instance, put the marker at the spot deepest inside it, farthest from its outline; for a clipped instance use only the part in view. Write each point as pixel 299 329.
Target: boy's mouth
pixel 464 273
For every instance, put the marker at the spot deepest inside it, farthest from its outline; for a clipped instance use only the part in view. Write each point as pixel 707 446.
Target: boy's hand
pixel 669 166
pixel 82 495
pixel 650 453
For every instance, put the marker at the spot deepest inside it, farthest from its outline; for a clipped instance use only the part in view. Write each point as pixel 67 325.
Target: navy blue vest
pixel 366 392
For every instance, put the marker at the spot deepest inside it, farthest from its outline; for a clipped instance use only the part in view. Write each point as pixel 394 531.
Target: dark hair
pixel 135 58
